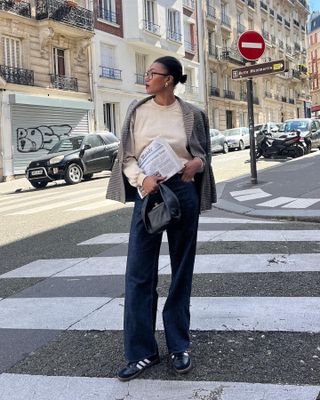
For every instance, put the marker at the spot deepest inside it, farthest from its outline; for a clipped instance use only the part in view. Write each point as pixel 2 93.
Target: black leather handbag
pixel 160 210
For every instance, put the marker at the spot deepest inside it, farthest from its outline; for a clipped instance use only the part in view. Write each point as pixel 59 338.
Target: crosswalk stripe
pixel 37 387
pixel 50 197
pixel 204 264
pixel 223 236
pixel 301 203
pixel 279 201
pixel 294 314
pixel 74 200
pixel 213 220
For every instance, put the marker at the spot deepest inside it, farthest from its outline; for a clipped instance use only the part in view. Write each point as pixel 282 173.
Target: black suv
pixel 74 158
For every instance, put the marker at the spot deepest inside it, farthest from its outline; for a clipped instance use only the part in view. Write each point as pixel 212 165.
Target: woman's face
pixel 156 79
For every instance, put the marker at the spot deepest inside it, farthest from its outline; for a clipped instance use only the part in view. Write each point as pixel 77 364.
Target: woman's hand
pixel 150 184
pixel 190 169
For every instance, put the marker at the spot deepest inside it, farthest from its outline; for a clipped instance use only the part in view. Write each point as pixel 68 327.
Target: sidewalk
pixel 288 190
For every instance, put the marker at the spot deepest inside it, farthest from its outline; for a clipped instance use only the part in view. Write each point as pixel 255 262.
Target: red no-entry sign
pixel 251 45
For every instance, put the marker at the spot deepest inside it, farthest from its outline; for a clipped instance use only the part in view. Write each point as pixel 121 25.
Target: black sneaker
pixel 133 369
pixel 181 362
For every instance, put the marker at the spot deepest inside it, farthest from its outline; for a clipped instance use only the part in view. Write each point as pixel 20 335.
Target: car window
pixel 313 125
pixel 301 125
pixel 110 138
pixel 93 140
pixel 69 144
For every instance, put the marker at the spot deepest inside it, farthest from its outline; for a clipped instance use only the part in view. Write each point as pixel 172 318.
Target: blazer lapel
pixel 188 118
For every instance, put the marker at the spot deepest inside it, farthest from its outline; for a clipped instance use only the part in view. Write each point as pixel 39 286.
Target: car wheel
pixel 87 177
pixel 73 174
pixel 225 148
pixel 38 184
pixel 241 145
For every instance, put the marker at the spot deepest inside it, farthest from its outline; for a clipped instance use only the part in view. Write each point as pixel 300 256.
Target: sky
pixel 314 5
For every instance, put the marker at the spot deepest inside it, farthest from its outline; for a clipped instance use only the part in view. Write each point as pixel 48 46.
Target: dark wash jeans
pixel 141 295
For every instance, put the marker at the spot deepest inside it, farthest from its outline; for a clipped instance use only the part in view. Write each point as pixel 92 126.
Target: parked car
pixel 237 138
pixel 74 158
pixel 218 142
pixel 309 129
pixel 271 128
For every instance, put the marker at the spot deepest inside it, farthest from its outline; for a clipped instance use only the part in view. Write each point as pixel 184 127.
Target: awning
pixel 315 108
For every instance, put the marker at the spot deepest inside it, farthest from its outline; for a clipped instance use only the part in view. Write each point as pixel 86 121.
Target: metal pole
pixel 253 164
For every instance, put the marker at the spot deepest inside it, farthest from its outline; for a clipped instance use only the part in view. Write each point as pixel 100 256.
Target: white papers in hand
pixel 158 158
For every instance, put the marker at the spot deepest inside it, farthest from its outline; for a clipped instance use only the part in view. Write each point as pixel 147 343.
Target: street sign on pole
pixel 271 67
pixel 251 45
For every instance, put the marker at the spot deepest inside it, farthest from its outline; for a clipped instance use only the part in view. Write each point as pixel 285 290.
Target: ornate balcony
pixel 64 82
pixel 211 11
pixel 18 7
pixel 229 94
pixel 175 36
pixel 214 91
pixel 233 56
pixel 188 3
pixel 68 12
pixel 19 76
pixel 189 47
pixel 151 27
pixel 111 73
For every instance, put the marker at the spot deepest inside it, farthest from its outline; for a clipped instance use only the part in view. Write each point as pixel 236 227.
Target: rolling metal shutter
pixel 36 129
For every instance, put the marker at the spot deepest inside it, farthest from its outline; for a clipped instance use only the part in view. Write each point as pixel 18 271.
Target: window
pixel 93 140
pixel 174 27
pixel 188 37
pixel 213 79
pixel 11 51
pixel 109 116
pixel 107 9
pixel 107 56
pixel 59 62
pixel 140 68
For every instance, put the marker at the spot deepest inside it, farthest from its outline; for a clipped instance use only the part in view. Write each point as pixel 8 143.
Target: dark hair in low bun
pixel 174 68
pixel 183 78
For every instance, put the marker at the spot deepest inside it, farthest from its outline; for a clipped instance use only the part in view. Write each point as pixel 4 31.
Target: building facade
pixel 45 88
pixel 314 61
pixel 129 35
pixel 276 97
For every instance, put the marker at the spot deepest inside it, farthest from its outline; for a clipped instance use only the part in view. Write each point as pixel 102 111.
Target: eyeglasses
pixel 149 74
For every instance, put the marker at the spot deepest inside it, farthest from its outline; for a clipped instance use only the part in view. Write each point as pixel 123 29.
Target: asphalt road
pixel 255 303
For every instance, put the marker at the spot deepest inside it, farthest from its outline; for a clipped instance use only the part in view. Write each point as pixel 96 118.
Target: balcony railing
pixel 297 47
pixel 214 91
pixel 18 7
pixel 232 56
pixel 240 28
pixel 188 3
pixel 111 73
pixel 64 82
pixel 213 51
pixel 175 36
pixel 279 18
pixel 107 14
pixel 140 79
pixel 151 27
pixel 251 3
pixel 229 94
pixel 63 11
pixel 287 23
pixel 296 23
pixel 280 43
pixel 189 47
pixel 265 34
pixel 19 76
pixel 271 12
pixel 225 20
pixel 211 12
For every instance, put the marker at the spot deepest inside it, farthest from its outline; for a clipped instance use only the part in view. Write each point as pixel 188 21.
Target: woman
pixel 185 128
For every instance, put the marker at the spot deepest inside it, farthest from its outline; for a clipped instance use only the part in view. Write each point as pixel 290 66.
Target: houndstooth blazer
pixel 197 131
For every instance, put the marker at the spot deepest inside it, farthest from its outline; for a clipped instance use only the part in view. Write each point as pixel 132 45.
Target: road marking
pixel 74 200
pixel 279 201
pixel 301 203
pixel 36 387
pixel 294 314
pixel 215 220
pixel 204 264
pixel 223 236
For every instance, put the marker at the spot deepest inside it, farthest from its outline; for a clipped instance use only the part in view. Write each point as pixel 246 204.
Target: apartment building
pixel 129 35
pixel 276 97
pixel 44 78
pixel 314 61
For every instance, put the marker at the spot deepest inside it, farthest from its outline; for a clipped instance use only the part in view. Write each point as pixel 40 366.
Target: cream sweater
pixel 151 121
